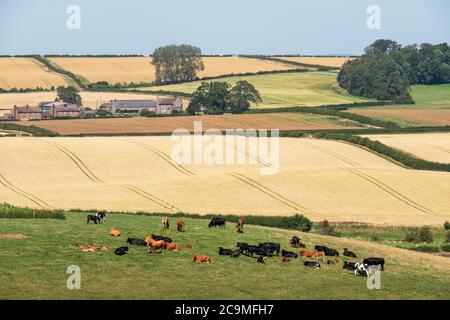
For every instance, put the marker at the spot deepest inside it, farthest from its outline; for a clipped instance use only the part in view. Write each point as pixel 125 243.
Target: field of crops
pixel 140 69
pixel 27 73
pixel 90 99
pixel 173 275
pixel 318 178
pixel 285 90
pixel 281 121
pixel 432 146
pixel 321 61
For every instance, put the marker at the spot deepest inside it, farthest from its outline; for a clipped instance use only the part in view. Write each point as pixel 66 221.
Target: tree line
pixel 386 70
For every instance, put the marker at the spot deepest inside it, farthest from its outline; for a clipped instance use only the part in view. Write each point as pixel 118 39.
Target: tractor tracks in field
pixel 164 157
pixel 374 181
pixel 129 187
pixel 271 193
pixel 41 203
pixel 251 156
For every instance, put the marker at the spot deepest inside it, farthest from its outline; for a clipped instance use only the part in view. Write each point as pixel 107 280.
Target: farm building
pixel 158 106
pixel 28 113
pixel 60 109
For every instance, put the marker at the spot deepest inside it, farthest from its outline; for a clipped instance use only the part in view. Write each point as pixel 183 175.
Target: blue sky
pixel 217 27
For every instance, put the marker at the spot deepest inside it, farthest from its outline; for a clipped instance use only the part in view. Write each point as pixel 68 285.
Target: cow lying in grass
pixel 171 246
pixel 229 252
pixel 349 253
pixel 295 242
pixel 328 251
pixel 289 254
pixel 121 251
pixel 349 266
pixel 114 232
pixel 201 259
pixel 165 239
pixel 312 264
pixel 89 247
pixel 137 242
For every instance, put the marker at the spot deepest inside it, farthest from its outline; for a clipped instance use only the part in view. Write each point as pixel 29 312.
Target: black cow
pixel 224 252
pixel 312 264
pixel 243 246
pixel 165 239
pixel 271 248
pixel 295 241
pixel 121 251
pixel 217 222
pixel 102 216
pixel 328 251
pixel 289 254
pixel 256 250
pixel 349 266
pixel 348 253
pixel 95 219
pixel 261 259
pixel 137 242
pixel 235 253
pixel 374 262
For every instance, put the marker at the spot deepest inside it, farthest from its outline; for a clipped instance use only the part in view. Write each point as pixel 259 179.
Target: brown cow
pixel 154 245
pixel 307 253
pixel 180 225
pixel 286 260
pixel 319 254
pixel 240 225
pixel 165 222
pixel 333 261
pixel 172 246
pixel 201 259
pixel 114 232
pixel 189 245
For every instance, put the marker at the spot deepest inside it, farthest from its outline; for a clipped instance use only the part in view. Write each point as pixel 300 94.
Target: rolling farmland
pixel 432 146
pixel 322 61
pixel 320 179
pixel 139 69
pixel 27 73
pixel 284 90
pixel 281 121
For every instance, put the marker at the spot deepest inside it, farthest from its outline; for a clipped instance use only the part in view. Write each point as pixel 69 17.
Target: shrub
pixel 448 237
pixel 411 235
pixel 324 227
pixel 427 248
pixel 445 247
pixel 447 225
pixel 425 234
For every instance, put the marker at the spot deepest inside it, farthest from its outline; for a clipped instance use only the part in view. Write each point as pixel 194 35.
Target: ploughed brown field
pixel 423 117
pixel 281 121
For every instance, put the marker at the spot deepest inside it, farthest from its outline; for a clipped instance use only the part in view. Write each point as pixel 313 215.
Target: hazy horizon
pixel 321 27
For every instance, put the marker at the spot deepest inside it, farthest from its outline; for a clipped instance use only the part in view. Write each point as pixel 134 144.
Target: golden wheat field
pixel 139 69
pixel 90 99
pixel 318 178
pixel 321 61
pixel 429 146
pixel 27 73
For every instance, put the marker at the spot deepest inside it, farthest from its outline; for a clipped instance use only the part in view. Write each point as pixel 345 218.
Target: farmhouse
pixel 60 109
pixel 28 113
pixel 158 106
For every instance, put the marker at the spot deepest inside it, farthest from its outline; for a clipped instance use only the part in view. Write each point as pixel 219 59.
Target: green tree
pixel 210 98
pixel 177 63
pixel 241 95
pixel 69 94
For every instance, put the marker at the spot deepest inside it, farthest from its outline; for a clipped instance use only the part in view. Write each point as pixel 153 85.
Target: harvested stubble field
pixel 318 178
pixel 284 89
pixel 429 146
pixel 140 69
pixel 90 99
pixel 281 121
pixel 408 275
pixel 321 61
pixel 27 73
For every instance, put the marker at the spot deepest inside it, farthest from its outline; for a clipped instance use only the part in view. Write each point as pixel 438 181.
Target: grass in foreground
pixel 36 267
pixel 284 89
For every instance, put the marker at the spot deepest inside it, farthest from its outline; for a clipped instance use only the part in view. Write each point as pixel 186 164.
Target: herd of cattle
pixel 261 251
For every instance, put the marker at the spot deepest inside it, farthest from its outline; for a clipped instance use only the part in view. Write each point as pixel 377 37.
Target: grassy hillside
pixel 35 267
pixel 284 89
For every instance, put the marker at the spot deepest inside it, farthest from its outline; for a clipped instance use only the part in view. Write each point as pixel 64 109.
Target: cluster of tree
pixel 386 70
pixel 25 90
pixel 69 94
pixel 219 97
pixel 177 63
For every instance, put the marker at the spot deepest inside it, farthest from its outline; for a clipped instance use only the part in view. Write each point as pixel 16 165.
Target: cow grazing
pixel 374 262
pixel 137 242
pixel 328 251
pixel 92 218
pixel 271 248
pixel 333 261
pixel 201 259
pixel 289 254
pixel 121 251
pixel 165 222
pixel 154 245
pixel 217 222
pixel 286 260
pixel 101 215
pixel 348 253
pixel 312 264
pixel 165 239
pixel 349 266
pixel 261 259
pixel 240 225
pixel 224 252
pixel 171 246
pixel 114 232
pixel 180 225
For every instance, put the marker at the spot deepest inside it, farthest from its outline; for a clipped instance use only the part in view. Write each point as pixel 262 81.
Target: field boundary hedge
pixel 8 211
pixel 293 63
pixel 59 70
pixel 33 130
